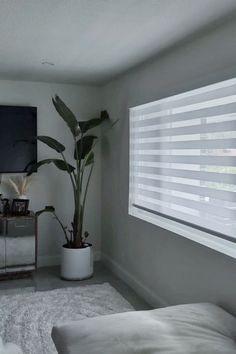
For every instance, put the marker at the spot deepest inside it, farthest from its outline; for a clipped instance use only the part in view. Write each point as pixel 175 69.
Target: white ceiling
pixel 91 41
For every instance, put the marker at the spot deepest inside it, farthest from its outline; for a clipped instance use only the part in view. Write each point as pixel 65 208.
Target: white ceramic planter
pixel 77 263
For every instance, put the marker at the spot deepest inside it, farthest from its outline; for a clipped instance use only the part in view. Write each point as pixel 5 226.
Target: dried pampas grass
pixel 20 184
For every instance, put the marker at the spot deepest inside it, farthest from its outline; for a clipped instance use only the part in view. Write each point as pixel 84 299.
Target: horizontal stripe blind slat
pixel 169 117
pixel 199 129
pixel 202 176
pixel 205 207
pixel 193 189
pixel 199 222
pixel 188 99
pixel 194 144
pixel 187 214
pixel 193 160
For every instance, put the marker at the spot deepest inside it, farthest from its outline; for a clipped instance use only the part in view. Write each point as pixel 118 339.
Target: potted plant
pixel 77 256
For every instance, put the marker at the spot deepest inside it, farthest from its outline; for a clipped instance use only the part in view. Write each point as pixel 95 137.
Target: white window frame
pixel 204 238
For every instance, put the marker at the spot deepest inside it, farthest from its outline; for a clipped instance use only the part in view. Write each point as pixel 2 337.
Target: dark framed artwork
pixel 20 206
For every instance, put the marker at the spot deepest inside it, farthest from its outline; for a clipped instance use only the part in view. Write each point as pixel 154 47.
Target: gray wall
pixel 162 266
pixel 51 186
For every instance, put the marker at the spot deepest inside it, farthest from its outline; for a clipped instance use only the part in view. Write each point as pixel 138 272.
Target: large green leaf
pixel 52 143
pixel 63 166
pixel 92 123
pixel 47 209
pixel 58 163
pixel 84 146
pixel 90 159
pixel 66 114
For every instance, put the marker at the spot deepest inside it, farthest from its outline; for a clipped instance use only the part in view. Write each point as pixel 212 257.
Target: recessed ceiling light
pixel 45 62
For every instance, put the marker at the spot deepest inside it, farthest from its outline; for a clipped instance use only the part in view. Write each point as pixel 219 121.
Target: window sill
pixel 206 239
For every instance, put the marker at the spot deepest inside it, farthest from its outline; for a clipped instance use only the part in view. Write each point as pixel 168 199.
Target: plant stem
pixel 76 201
pixel 77 216
pixel 82 172
pixel 62 226
pixel 68 169
pixel 77 157
pixel 85 193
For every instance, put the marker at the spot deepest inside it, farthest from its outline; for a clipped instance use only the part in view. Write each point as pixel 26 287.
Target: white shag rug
pixel 27 319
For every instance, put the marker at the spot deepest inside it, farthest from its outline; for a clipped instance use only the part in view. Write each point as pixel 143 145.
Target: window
pixel 183 164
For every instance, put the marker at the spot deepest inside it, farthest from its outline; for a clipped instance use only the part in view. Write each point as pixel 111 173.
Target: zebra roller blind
pixel 183 158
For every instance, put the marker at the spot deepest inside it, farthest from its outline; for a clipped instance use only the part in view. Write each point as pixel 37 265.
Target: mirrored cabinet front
pixel 18 245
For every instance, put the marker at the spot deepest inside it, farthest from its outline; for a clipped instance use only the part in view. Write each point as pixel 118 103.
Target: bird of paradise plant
pixel 84 159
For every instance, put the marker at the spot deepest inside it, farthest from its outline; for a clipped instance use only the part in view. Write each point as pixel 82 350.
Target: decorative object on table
pixel 77 257
pixel 42 310
pixel 20 206
pixel 20 185
pixel 5 206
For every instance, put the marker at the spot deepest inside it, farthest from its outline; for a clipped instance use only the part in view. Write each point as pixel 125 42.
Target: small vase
pixel 22 196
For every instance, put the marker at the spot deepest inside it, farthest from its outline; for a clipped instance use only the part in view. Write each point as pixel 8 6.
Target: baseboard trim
pixel 97 256
pixel 147 294
pixel 47 261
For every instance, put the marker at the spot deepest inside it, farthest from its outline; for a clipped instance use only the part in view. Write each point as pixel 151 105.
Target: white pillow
pixel 9 348
pixel 182 329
